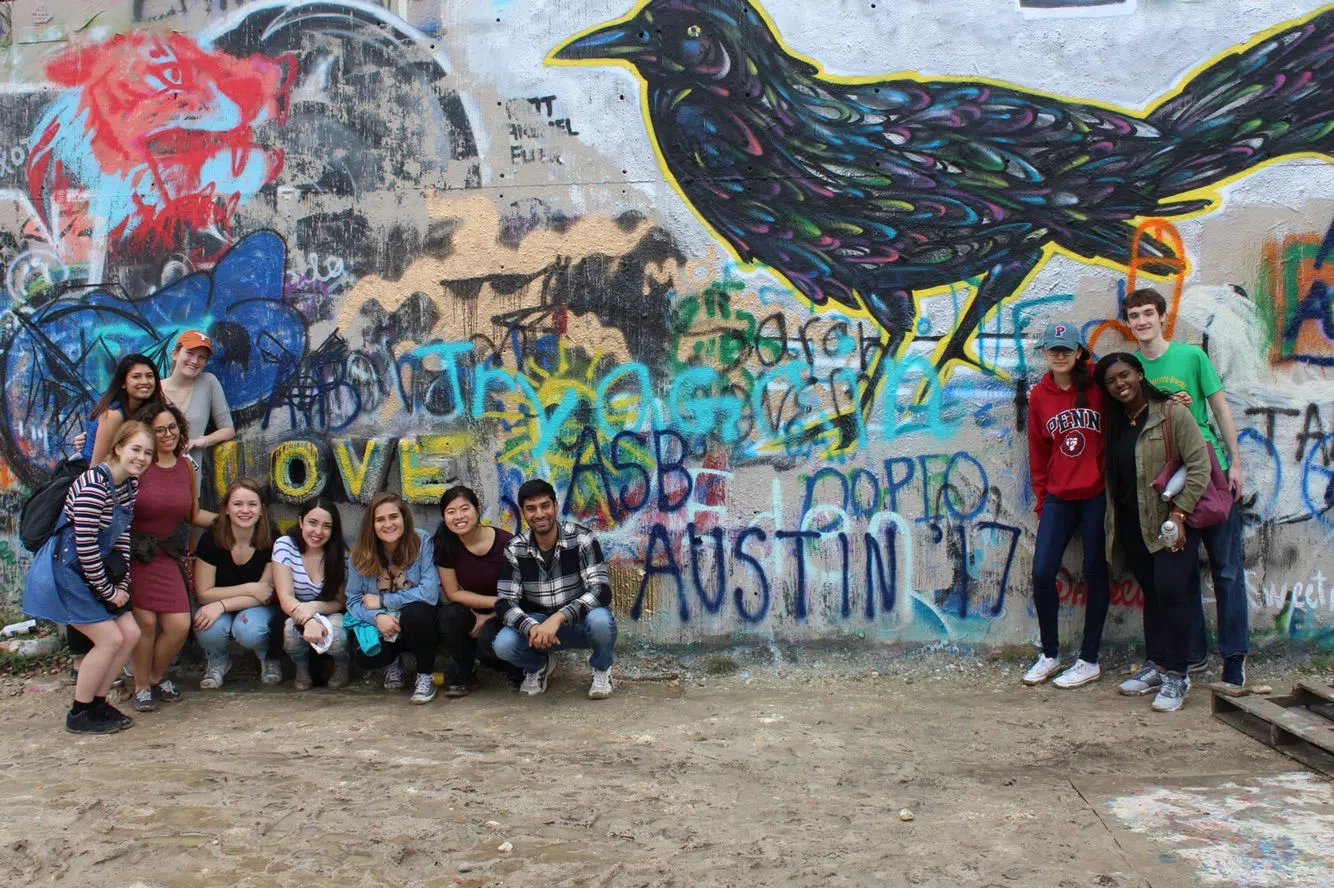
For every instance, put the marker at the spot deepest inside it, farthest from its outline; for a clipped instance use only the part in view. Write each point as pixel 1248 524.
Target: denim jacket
pixel 422 578
pixel 1150 454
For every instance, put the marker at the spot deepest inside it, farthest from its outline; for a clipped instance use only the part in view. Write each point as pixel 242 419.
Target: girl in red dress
pixel 157 581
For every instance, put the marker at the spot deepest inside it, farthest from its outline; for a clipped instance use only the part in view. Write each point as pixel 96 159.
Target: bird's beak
pixel 618 40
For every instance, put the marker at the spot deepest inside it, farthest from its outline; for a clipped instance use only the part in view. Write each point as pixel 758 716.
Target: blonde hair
pixel 127 431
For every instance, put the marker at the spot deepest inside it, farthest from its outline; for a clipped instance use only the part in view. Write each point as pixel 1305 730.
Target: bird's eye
pixel 694 31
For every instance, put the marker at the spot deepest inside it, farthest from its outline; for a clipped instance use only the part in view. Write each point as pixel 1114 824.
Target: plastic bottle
pixel 1175 484
pixel 1169 533
pixel 18 628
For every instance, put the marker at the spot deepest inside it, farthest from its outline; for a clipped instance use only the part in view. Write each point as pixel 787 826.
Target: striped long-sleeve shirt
pixel 89 506
pixel 573 582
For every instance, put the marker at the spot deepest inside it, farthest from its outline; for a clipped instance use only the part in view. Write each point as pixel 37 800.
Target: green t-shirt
pixel 1186 368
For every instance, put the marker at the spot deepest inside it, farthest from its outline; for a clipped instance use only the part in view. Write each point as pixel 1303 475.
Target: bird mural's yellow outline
pixel 1212 192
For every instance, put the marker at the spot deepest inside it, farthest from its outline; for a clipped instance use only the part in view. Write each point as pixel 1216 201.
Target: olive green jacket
pixel 1150 454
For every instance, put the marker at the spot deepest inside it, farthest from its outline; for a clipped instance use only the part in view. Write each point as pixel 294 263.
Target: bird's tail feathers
pixel 1269 100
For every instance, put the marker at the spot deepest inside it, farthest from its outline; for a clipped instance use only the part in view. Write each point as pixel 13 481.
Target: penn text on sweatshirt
pixel 1064 442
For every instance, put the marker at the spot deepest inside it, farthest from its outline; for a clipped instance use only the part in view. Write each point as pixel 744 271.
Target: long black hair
pixel 1114 418
pixel 446 541
pixel 116 394
pixel 1082 376
pixel 335 551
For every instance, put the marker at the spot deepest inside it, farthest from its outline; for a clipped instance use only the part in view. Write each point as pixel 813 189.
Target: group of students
pixel 1099 436
pixel 114 573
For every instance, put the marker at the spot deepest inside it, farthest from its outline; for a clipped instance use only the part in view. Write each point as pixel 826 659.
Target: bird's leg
pixel 1001 282
pixel 893 311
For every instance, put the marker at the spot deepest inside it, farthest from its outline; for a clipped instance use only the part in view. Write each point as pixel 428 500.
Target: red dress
pixel 164 501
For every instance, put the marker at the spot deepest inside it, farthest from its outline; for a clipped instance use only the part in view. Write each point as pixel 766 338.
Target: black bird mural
pixel 864 193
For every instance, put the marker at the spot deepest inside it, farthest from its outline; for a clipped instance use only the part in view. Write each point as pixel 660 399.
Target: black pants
pixel 418 635
pixel 456 622
pixel 79 644
pixel 1165 577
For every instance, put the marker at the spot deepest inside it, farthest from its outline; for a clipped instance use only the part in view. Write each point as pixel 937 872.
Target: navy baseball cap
pixel 1062 334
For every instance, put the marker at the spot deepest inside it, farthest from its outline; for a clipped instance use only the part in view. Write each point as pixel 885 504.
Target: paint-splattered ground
pixel 795 780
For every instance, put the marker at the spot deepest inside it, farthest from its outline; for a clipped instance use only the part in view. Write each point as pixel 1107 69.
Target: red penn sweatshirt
pixel 1064 442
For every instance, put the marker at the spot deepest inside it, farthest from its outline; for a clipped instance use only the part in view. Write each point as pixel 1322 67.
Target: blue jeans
pixel 1060 519
pixel 1223 544
pixel 250 628
pixel 596 631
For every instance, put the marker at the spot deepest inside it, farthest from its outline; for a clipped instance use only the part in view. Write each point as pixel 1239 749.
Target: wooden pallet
pixel 1299 725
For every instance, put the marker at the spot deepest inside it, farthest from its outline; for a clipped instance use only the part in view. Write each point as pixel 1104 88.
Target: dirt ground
pixel 786 776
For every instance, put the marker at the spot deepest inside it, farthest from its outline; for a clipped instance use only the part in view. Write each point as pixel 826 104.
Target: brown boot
pixel 339 677
pixel 303 681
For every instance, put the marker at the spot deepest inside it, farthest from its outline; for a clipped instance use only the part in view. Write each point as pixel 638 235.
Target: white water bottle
pixel 1169 533
pixel 1175 484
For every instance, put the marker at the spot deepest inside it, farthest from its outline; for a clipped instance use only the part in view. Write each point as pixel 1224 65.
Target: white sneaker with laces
pixel 601 687
pixel 535 683
pixel 424 691
pixel 1081 673
pixel 1043 669
pixel 214 674
pixel 393 675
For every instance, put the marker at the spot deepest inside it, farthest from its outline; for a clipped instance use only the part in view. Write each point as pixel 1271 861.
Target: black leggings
pixel 456 622
pixel 1165 577
pixel 418 635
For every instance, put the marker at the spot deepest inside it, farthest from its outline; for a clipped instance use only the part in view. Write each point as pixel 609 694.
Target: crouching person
pixel 309 573
pixel 392 593
pixel 552 593
pixel 234 586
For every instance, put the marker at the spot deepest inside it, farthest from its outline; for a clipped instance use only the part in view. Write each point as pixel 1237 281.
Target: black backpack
pixel 41 510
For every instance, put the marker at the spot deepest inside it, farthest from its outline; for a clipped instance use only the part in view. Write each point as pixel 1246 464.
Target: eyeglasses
pixel 164 431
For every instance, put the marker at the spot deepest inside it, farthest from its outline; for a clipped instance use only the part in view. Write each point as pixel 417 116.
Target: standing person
pixel 1186 371
pixel 468 555
pixel 392 592
pixel 1158 545
pixel 134 383
pixel 1065 458
pixel 81 576
pixel 198 394
pixel 157 579
pixel 309 575
pixel 234 585
pixel 553 592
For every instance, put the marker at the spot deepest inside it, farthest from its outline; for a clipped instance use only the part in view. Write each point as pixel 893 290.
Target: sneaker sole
pixel 421 701
pixel 1125 693
pixel 1078 684
pixel 116 730
pixel 600 695
pixel 1034 682
pixel 1176 708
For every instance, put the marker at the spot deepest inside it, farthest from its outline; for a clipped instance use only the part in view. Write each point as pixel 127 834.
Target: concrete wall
pixel 429 250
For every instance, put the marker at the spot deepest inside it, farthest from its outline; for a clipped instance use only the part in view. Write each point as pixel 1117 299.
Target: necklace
pixel 1134 420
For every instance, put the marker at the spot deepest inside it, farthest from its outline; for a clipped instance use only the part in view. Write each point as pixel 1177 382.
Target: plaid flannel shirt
pixel 527 592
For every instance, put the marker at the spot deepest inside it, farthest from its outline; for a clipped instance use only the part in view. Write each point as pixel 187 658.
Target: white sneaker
pixel 214 673
pixel 601 687
pixel 424 691
pixel 535 683
pixel 1081 673
pixel 393 675
pixel 1043 669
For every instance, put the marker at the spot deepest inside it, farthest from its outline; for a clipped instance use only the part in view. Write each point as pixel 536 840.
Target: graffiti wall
pixel 756 286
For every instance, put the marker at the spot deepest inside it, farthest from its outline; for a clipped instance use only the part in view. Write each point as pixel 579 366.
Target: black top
pixel 229 573
pixel 1121 475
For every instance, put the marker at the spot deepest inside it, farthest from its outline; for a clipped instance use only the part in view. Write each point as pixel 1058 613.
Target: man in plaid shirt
pixel 553 592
